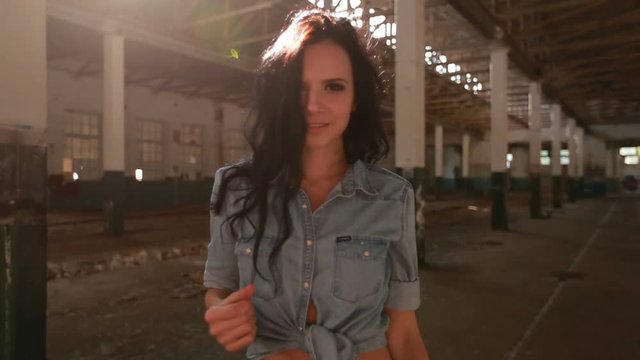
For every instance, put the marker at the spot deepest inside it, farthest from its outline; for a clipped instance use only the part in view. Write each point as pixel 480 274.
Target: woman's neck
pixel 325 164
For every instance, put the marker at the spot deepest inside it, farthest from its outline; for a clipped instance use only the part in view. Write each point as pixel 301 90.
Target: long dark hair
pixel 277 128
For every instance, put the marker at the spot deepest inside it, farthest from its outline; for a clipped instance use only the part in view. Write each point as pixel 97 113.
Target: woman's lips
pixel 316 127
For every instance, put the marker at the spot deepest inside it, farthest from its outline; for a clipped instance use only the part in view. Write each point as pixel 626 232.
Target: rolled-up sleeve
pixel 221 267
pixel 404 286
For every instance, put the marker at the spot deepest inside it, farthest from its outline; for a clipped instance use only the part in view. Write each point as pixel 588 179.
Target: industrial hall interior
pixel 517 123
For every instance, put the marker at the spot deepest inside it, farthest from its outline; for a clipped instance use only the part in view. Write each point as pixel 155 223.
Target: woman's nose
pixel 313 101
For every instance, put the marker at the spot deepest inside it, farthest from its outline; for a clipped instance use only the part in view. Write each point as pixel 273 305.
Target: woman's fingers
pixel 233 325
pixel 241 343
pixel 227 312
pixel 220 327
pixel 235 333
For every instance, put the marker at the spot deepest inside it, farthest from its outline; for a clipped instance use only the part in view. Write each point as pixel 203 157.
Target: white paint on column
pixel 580 150
pixel 535 144
pixel 23 65
pixel 439 150
pixel 571 142
pixel 556 118
pixel 113 105
pixel 610 158
pixel 466 142
pixel 499 126
pixel 618 163
pixel 409 89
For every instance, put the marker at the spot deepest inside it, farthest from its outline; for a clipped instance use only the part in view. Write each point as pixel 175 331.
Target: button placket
pixel 308 256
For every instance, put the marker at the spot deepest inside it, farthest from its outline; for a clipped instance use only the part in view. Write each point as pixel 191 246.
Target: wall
pixel 595 157
pixel 519 171
pixel 172 110
pixel 480 163
pixel 222 142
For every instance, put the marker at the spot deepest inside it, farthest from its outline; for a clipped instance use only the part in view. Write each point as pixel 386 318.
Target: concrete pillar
pixel 439 158
pixel 466 182
pixel 535 146
pixel 573 159
pixel 609 163
pixel 556 168
pixel 113 133
pixel 410 95
pixel 618 164
pixel 498 69
pixel 610 170
pixel 581 154
pixel 410 139
pixel 23 168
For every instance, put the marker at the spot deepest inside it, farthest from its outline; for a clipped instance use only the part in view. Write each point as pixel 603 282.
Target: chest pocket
pixel 265 284
pixel 360 267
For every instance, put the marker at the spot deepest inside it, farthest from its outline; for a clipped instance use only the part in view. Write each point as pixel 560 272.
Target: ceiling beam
pixel 59 10
pixel 230 14
pixel 487 25
pixel 538 7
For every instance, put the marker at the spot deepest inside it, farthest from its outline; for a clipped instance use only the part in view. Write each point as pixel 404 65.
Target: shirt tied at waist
pixel 323 344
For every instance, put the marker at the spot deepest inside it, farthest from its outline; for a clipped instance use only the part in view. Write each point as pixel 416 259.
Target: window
pixel 191 143
pixel 81 159
pixel 150 148
pixel 631 160
pixel 545 159
pixel 564 157
pixel 628 151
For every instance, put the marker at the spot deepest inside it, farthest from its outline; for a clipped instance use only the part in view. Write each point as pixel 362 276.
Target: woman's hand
pixel 232 321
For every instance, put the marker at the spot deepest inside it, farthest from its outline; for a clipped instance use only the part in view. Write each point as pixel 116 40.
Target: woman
pixel 312 252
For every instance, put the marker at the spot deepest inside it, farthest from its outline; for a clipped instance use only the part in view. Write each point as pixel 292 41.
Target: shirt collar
pixel 357 178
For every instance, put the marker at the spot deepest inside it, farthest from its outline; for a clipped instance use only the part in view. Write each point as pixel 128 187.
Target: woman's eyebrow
pixel 334 80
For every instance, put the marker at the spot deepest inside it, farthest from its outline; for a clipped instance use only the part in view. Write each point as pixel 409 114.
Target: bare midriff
pixel 295 354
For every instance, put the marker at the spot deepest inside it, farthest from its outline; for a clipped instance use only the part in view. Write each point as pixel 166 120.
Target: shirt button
pixel 304 206
pixel 306 285
pixel 248 251
pixel 366 253
pixel 309 242
pixel 300 328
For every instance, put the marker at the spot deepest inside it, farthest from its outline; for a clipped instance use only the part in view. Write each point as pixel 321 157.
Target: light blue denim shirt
pixel 353 256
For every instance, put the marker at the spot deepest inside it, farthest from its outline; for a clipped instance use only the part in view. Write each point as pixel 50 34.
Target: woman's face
pixel 327 94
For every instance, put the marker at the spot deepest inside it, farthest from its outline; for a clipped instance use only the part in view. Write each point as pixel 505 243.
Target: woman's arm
pixel 403 336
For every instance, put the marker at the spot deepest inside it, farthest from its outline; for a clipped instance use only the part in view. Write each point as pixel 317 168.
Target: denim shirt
pixel 353 256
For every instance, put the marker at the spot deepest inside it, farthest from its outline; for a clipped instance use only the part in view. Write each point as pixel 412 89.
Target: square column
pixel 409 87
pixel 573 159
pixel 410 138
pixel 535 146
pixel 556 168
pixel 439 157
pixel 610 173
pixel 466 182
pixel 113 181
pixel 581 153
pixel 498 70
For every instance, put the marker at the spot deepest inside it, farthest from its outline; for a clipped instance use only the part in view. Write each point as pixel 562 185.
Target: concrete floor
pixel 564 288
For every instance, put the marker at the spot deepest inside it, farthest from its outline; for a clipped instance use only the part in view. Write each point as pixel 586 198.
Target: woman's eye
pixel 334 87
